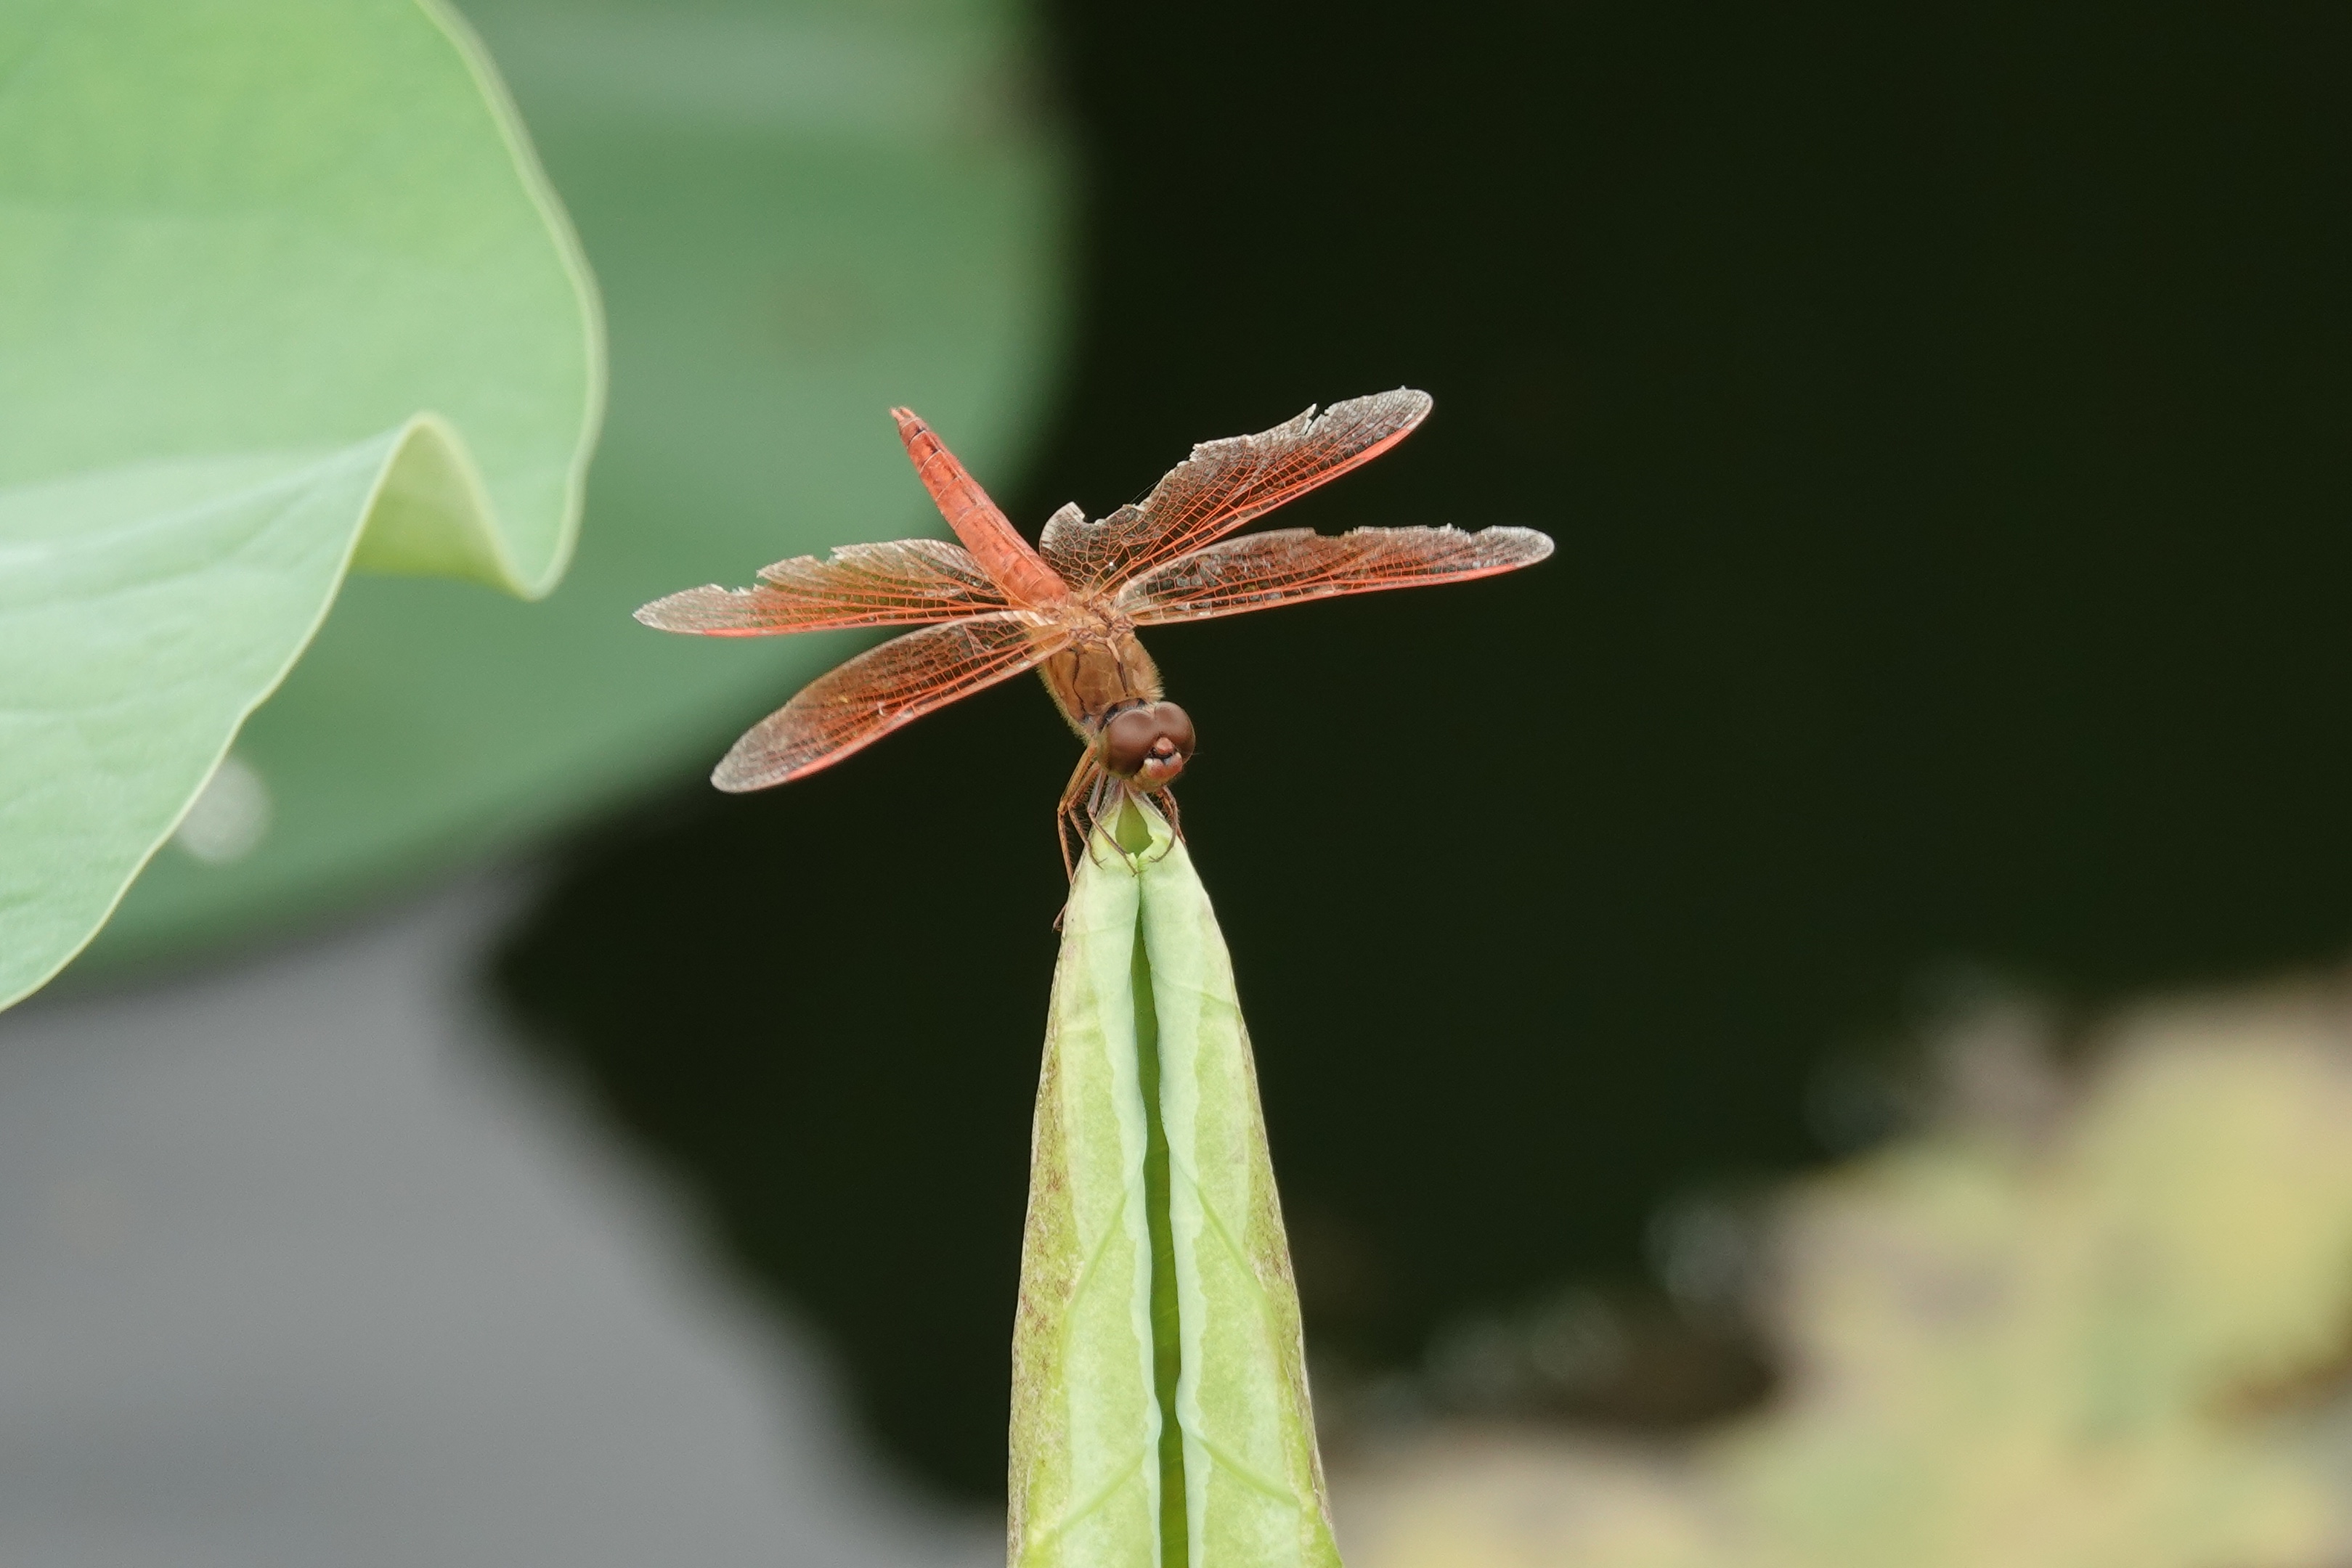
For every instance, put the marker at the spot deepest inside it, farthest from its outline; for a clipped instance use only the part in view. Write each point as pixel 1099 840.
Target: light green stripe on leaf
pixel 1139 930
pixel 1085 1423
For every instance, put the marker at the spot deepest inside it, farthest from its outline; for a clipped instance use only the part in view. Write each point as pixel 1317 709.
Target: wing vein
pixel 907 582
pixel 1288 565
pixel 859 703
pixel 1225 484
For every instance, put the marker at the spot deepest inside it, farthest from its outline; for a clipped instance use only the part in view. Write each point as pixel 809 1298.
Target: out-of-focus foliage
pixel 799 215
pixel 2113 1338
pixel 280 286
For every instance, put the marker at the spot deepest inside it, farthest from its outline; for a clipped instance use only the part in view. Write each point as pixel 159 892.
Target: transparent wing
pixel 1225 483
pixel 881 689
pixel 1290 564
pixel 911 583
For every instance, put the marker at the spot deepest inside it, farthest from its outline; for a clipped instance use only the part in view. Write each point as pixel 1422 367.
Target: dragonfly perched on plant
pixel 1069 609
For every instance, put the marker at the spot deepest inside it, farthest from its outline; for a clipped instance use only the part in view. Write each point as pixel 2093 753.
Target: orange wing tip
pixel 1501 550
pixel 1534 544
pixel 686 611
pixel 738 780
pixel 1400 411
pixel 662 614
pixel 742 770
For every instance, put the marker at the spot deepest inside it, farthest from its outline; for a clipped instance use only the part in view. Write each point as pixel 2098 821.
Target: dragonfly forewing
pixel 1227 484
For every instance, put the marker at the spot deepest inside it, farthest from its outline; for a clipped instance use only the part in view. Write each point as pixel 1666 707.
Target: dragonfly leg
pixel 1067 818
pixel 1104 789
pixel 1174 813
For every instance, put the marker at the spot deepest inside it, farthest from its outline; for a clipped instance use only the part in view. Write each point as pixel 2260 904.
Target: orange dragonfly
pixel 1070 607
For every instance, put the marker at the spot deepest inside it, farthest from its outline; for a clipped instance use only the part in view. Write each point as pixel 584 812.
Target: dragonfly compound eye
pixel 1150 740
pixel 1128 741
pixel 1177 726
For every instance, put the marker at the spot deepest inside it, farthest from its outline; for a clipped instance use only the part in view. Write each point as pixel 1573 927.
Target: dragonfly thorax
pixel 1108 688
pixel 1097 674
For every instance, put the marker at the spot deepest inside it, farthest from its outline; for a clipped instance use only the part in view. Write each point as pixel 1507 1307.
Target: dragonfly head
pixel 1149 743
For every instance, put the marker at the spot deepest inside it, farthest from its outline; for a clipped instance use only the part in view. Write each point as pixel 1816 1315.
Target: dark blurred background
pixel 1941 412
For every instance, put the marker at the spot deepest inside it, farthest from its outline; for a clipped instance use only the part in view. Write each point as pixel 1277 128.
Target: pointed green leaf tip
pixel 1160 1405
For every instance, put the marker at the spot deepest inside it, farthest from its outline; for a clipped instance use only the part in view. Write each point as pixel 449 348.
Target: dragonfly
pixel 993 607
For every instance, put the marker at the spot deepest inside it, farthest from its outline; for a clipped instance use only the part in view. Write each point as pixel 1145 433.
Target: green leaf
pixel 279 287
pixel 800 214
pixel 1159 1403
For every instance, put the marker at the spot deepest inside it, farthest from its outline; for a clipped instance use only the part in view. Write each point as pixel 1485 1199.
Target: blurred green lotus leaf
pixel 799 213
pixel 281 292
